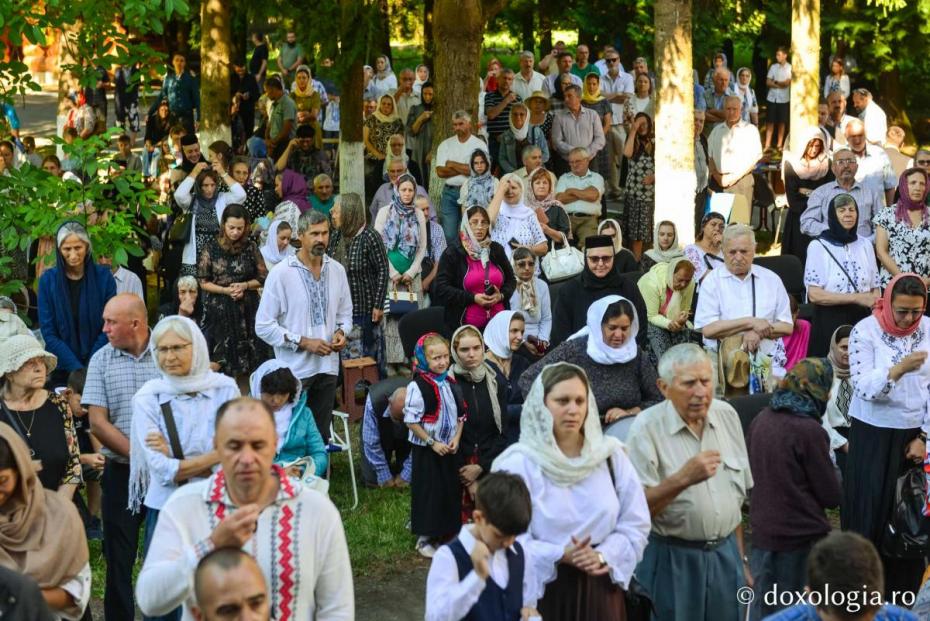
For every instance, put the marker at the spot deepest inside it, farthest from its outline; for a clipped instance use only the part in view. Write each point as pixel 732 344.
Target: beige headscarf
pixel 617 237
pixel 481 373
pixel 41 534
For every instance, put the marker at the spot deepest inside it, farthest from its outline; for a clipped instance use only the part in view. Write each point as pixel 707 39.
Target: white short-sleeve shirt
pixel 841 269
pixel 779 73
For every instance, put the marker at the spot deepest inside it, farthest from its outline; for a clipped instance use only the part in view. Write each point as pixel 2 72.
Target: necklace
pixel 32 421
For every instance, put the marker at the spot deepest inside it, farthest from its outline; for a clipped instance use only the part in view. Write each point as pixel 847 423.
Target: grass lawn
pixel 376 530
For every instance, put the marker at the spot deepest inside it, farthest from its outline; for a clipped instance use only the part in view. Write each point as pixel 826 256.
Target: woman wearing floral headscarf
pixel 308 102
pixel 475 280
pixel 480 185
pixel 590 518
pixel 794 480
pixel 378 128
pixel 403 229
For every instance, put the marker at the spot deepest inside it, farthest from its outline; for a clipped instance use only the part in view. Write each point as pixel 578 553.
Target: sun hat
pixel 19 349
pixel 538 95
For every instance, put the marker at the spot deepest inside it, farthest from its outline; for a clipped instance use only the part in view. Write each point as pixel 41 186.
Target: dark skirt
pixel 576 596
pixel 435 494
pixel 826 320
pixel 873 465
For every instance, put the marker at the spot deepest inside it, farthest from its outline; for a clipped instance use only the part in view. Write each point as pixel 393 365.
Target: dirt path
pixel 400 596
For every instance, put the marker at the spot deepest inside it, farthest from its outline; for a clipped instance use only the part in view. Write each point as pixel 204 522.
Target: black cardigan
pixel 570 308
pixel 449 287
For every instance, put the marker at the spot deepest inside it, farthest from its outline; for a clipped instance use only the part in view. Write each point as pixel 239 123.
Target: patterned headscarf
pixel 805 390
pixel 477 250
pixel 402 230
pixel 480 187
pixel 421 365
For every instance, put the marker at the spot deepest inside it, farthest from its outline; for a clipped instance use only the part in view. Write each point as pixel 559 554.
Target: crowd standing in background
pixel 582 416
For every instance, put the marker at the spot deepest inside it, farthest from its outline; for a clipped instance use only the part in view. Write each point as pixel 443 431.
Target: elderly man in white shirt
pixel 745 300
pixel 305 313
pixel 875 119
pixel 617 87
pixel 874 164
pixel 527 81
pixel 293 532
pixel 580 193
pixel 733 149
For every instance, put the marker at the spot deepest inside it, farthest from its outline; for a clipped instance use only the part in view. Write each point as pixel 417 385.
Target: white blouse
pixel 833 418
pixel 615 516
pixel 857 259
pixel 527 231
pixel 876 399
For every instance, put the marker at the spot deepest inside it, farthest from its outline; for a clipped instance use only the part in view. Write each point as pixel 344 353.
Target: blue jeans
pixel 151 519
pixel 450 213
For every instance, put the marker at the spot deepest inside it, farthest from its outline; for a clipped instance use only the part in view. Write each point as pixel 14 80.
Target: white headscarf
pixel 199 379
pixel 282 418
pixel 537 442
pixel 497 333
pixel 521 133
pixel 597 349
pixel 270 251
pixel 518 210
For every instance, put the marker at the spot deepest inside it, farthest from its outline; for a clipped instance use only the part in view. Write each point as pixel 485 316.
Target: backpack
pixel 907 533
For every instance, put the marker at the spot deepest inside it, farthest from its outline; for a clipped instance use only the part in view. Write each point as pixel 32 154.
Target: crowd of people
pixel 571 427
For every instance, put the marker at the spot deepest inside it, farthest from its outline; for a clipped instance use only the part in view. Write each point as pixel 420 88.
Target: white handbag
pixel 563 263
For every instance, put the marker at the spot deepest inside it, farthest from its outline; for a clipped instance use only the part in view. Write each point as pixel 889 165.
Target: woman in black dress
pixel 802 175
pixel 483 436
pixel 231 271
pixel 41 418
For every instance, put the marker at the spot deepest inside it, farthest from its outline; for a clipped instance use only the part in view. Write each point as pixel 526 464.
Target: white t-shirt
pixel 858 264
pixel 779 73
pixel 452 149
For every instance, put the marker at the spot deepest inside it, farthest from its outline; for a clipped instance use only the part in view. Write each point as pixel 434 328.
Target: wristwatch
pixel 601 559
pixel 430 441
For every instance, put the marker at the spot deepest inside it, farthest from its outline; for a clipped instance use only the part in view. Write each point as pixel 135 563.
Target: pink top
pixel 476 315
pixel 796 343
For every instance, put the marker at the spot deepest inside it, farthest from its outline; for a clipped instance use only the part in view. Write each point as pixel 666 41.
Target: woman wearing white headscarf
pixel 513 224
pixel 277 246
pixel 277 387
pixel 178 407
pixel 384 81
pixel 504 336
pixel 665 246
pixel 590 518
pixel 621 376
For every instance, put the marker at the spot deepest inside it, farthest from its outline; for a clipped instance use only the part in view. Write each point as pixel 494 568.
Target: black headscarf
pixel 612 280
pixel 835 234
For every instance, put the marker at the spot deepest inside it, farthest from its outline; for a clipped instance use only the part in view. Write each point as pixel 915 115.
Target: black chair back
pixel 748 407
pixel 414 325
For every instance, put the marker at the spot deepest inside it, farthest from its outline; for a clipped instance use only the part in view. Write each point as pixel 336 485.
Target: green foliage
pixel 111 205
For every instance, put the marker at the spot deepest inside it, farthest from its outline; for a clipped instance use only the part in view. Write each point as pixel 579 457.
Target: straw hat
pixel 538 95
pixel 18 350
pixel 734 362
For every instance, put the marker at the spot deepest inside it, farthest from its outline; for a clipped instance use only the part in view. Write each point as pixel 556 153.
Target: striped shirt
pixel 113 377
pixel 500 123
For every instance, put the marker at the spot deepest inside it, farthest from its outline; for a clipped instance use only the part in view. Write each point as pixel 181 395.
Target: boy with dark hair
pixel 482 574
pixel 91 460
pixel 845 582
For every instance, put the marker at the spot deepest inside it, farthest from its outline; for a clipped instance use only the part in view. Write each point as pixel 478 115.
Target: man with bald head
pixel 114 374
pixel 229 586
pixel 294 533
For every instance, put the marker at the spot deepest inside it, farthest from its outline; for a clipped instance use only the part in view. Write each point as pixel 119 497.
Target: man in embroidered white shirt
pixel 745 300
pixel 294 533
pixel 305 313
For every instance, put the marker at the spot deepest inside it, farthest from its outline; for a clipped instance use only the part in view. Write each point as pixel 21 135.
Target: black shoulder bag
pixel 173 440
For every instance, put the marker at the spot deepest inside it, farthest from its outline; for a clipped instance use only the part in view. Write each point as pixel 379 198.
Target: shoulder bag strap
pixel 11 420
pixel 173 440
pixel 840 265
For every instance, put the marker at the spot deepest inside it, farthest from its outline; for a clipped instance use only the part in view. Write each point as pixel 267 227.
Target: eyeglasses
pixel 908 312
pixel 171 349
pixel 597 260
pixel 924 162
pixel 527 263
pixel 846 160
pixel 859 135
pixel 611 60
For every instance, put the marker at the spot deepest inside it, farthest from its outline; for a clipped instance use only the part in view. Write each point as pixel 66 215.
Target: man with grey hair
pixel 574 127
pixel 744 306
pixel 305 313
pixel 869 197
pixel 527 81
pixel 715 98
pixel 733 149
pixel 580 191
pixel 691 457
pixel 532 159
pixel 386 460
pixel 874 165
pixel 452 166
pixel 875 119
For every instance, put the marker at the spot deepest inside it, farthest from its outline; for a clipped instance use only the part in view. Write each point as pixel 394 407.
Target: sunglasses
pixel 527 263
pixel 611 60
pixel 597 260
pixel 924 162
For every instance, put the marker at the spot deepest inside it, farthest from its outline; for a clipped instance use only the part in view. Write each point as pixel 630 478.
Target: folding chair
pixel 343 444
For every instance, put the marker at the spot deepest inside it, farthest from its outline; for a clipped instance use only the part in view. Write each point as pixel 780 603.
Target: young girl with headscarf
pixel 435 413
pixel 665 247
pixel 277 246
pixel 480 186
pixel 403 229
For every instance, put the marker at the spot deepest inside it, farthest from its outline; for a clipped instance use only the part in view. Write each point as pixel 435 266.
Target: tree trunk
pixel 351 148
pixel 527 28
pixel 892 101
pixel 674 151
pixel 805 69
pixel 382 35
pixel 215 39
pixel 459 25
